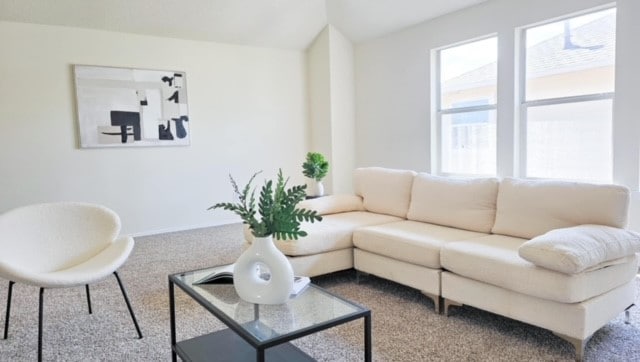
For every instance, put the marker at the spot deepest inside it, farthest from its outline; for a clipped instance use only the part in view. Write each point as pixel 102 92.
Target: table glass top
pixel 311 308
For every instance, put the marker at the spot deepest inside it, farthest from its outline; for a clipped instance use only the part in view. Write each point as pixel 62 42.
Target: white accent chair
pixel 59 245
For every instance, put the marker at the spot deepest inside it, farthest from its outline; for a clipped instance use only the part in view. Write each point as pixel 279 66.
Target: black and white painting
pixel 131 107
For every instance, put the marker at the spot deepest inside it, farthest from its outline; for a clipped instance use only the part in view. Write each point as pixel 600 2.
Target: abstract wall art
pixel 124 107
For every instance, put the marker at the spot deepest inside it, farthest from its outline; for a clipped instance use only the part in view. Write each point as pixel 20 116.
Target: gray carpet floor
pixel 405 326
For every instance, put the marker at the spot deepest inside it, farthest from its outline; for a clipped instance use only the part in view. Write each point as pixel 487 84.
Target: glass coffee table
pixel 259 331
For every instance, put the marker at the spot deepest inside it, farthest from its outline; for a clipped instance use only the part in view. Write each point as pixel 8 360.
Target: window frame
pixel 524 105
pixel 439 112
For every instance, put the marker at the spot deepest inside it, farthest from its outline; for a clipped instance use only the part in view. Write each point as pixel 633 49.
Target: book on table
pixel 299 284
pixel 220 275
pixel 224 275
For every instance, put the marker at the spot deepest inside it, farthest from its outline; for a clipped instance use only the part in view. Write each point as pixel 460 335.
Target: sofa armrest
pixel 581 248
pixel 333 204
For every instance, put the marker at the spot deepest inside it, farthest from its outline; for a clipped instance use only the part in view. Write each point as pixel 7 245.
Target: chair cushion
pixel 409 241
pixel 91 270
pixel 468 204
pixel 55 236
pixel 494 260
pixel 383 190
pixel 529 208
pixel 575 249
pixel 334 232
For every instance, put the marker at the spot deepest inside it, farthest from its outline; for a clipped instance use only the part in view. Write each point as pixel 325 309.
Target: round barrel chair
pixel 59 245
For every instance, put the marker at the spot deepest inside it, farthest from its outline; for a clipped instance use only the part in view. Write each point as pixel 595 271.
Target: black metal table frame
pixel 261 347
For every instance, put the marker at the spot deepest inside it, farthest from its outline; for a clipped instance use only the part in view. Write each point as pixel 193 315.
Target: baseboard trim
pixel 180 228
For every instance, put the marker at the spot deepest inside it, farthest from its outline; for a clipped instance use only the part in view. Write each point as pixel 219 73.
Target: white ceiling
pixel 288 24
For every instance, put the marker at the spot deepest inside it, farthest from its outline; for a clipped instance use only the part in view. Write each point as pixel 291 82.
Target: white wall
pixel 393 99
pixel 625 110
pixel 319 71
pixel 332 106
pixel 247 108
pixel 342 111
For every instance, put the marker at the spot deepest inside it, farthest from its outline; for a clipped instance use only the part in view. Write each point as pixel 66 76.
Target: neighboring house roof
pixel 593 46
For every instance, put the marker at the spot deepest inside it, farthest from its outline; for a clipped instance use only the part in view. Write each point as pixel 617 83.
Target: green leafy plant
pixel 275 213
pixel 315 166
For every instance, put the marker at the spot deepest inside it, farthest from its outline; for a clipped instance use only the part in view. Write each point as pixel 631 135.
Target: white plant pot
pixel 262 274
pixel 314 188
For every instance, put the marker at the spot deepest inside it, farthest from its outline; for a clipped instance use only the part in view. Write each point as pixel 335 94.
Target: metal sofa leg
pixel 435 298
pixel 6 319
pixel 88 297
pixel 126 299
pixel 627 314
pixel 578 344
pixel 448 303
pixel 40 324
pixel 360 275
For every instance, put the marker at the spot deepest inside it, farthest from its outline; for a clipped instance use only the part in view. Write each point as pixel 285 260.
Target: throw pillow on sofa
pixel 576 249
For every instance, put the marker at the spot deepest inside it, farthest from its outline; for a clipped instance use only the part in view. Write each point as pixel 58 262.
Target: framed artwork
pixel 124 107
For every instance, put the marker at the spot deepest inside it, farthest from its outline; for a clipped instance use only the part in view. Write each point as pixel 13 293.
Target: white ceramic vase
pixel 314 188
pixel 262 274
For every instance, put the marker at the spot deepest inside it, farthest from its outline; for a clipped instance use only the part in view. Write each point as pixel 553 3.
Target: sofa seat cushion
pixel 334 232
pixel 579 248
pixel 409 241
pixel 464 203
pixel 494 260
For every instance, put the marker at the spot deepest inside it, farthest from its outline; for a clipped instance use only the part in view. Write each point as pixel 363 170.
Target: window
pixel 466 108
pixel 567 97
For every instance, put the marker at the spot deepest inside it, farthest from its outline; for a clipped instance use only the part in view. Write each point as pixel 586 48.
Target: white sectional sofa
pixel 549 253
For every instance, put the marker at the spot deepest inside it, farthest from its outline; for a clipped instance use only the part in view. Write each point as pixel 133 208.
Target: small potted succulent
pixel 274 214
pixel 315 168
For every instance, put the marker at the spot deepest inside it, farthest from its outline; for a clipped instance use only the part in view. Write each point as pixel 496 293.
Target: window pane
pixel 468 74
pixel 571 141
pixel 571 57
pixel 469 143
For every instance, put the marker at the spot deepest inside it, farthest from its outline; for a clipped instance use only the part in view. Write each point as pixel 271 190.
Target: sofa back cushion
pixel 383 190
pixel 468 204
pixel 528 208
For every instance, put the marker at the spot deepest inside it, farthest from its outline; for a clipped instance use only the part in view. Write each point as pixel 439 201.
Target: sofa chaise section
pixel 329 245
pixel 382 196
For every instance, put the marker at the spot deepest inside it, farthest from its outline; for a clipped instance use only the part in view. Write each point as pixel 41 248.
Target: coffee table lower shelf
pixel 227 346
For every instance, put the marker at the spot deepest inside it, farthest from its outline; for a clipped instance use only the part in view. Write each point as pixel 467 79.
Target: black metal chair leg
pixel 126 299
pixel 40 326
pixel 88 297
pixel 6 319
